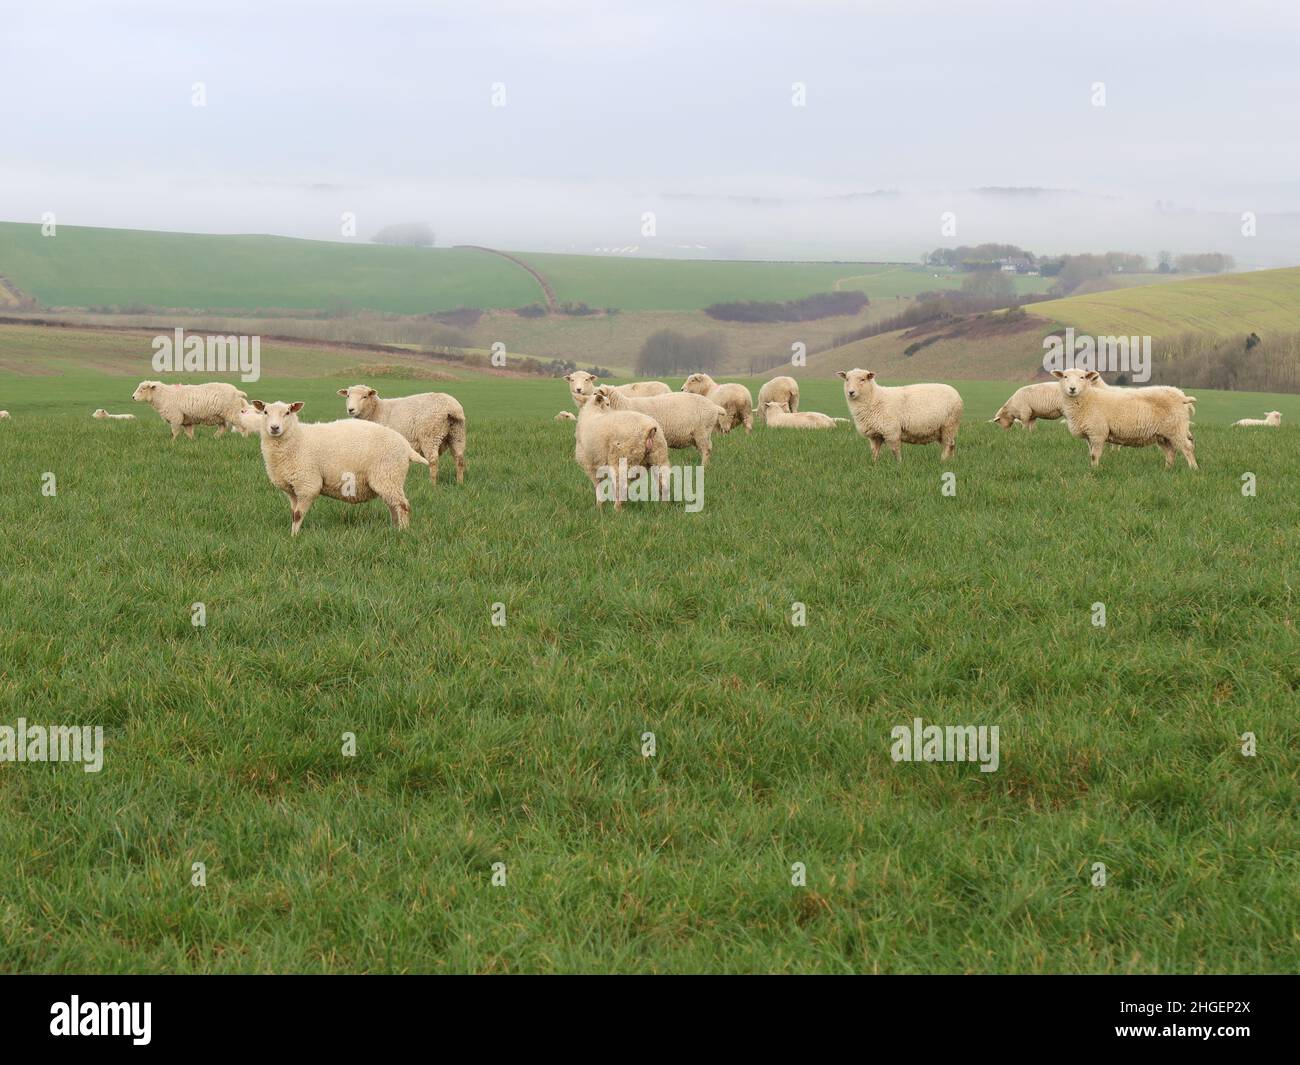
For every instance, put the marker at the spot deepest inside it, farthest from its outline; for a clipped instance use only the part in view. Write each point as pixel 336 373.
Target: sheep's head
pixel 250 421
pixel 1075 382
pixel 566 416
pixel 145 391
pixel 602 398
pixel 100 413
pixel 1003 419
pixel 1273 417
pixel 361 400
pixel 581 385
pixel 773 407
pixel 278 418
pixel 699 383
pixel 724 419
pixel 857 382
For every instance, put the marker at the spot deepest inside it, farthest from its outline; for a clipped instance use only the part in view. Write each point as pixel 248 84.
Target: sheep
pixel 431 421
pixel 583 384
pixel 610 442
pixel 185 406
pixel 249 422
pixel 782 390
pixel 1028 404
pixel 566 416
pixel 3 415
pixel 686 420
pixel 906 414
pixel 102 413
pixel 1133 417
pixel 1273 417
pixel 734 398
pixel 352 460
pixel 775 416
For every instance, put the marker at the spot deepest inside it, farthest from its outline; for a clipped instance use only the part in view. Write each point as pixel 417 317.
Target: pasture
pixel 521 744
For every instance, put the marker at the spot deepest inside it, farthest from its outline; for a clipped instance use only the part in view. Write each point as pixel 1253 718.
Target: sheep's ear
pixel 294 408
pixel 1092 375
pixel 259 405
pixel 371 394
pixel 1058 373
pixel 343 391
pixel 871 375
pixel 842 373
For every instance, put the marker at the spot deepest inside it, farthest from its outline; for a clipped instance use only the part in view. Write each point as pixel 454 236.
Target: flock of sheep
pixel 632 427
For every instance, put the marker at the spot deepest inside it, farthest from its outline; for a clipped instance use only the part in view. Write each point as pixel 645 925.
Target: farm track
pixel 552 304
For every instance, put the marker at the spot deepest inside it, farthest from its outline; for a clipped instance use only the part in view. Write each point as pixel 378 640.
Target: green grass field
pixel 521 744
pixel 1262 300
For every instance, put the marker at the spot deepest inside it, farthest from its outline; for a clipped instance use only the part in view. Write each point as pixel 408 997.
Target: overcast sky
pixel 386 109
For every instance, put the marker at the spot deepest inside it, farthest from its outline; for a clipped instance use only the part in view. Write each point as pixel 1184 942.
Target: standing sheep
pixel 354 461
pixel 1273 417
pixel 102 413
pixel 782 390
pixel 777 417
pixel 608 443
pixel 431 421
pixel 582 385
pixel 1028 404
pixel 185 406
pixel 906 414
pixel 1132 417
pixel 686 420
pixel 733 398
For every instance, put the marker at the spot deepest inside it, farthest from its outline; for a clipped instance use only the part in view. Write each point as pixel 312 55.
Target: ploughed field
pixel 520 746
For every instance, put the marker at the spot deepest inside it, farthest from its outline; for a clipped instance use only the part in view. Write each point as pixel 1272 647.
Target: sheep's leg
pixel 749 421
pixel 302 502
pixel 189 431
pixel 1168 449
pixel 432 453
pixel 399 510
pixel 876 441
pixel 1188 452
pixel 704 445
pixel 1095 448
pixel 949 440
pixel 457 437
pixel 896 446
pixel 1031 422
pixel 221 431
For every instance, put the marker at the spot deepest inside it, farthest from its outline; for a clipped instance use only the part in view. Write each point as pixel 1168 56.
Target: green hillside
pixel 1262 301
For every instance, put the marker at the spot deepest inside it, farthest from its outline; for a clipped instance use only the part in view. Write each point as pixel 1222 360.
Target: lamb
pixel 1273 417
pixel 582 385
pixel 566 416
pixel 611 442
pixel 775 416
pixel 431 421
pixel 102 413
pixel 782 390
pixel 1028 404
pixel 906 414
pixel 735 399
pixel 354 461
pixel 249 422
pixel 185 406
pixel 686 420
pixel 1133 417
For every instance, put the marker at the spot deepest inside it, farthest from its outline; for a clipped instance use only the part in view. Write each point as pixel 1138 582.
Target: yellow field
pixel 1260 301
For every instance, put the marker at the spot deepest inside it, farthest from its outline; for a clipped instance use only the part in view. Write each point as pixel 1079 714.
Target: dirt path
pixel 552 304
pixel 11 295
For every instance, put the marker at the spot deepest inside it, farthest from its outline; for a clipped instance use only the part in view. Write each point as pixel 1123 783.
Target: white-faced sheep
pixel 185 406
pixel 566 416
pixel 582 385
pixel 775 416
pixel 432 421
pixel 1029 404
pixel 686 420
pixel 102 413
pixel 1273 417
pixel 782 390
pixel 354 461
pixel 905 414
pixel 1131 417
pixel 734 399
pixel 3 415
pixel 608 443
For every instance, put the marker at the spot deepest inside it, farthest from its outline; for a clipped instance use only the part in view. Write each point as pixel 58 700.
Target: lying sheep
pixel 354 461
pixel 102 413
pixel 3 415
pixel 566 416
pixel 582 385
pixel 906 414
pixel 1273 417
pixel 610 442
pixel 1132 417
pixel 733 398
pixel 687 420
pixel 185 406
pixel 782 390
pixel 431 421
pixel 775 416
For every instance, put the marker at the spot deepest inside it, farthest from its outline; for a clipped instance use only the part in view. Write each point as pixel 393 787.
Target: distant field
pixel 522 744
pixel 1262 300
pixel 85 267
